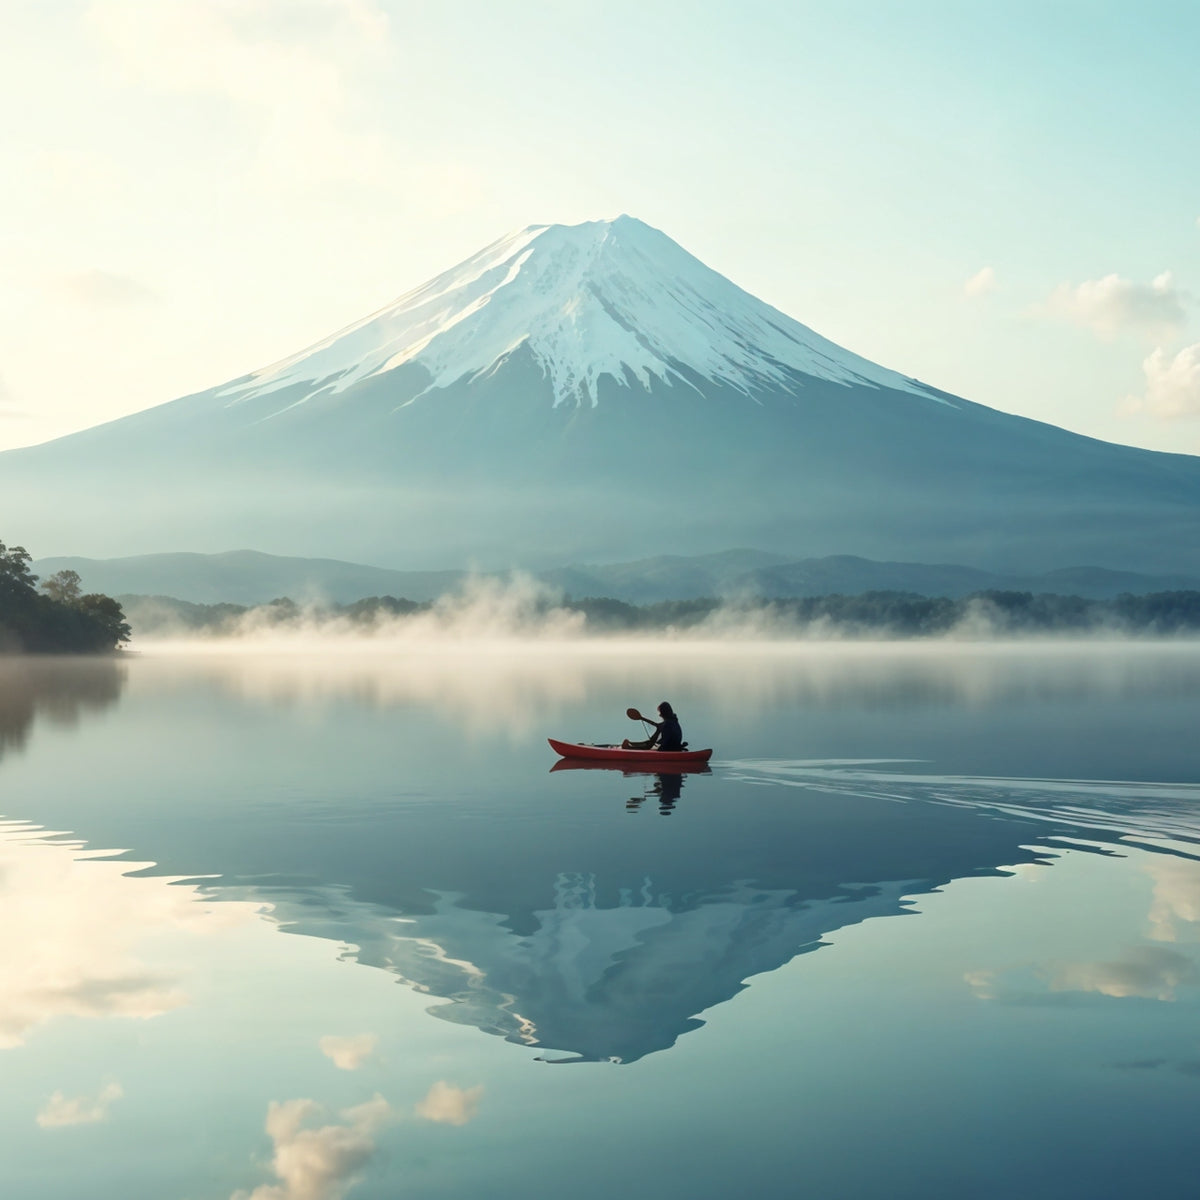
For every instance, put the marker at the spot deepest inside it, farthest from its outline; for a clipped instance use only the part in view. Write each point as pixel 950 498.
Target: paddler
pixel 667 734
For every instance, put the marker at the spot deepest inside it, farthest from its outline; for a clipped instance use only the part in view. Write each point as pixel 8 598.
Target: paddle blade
pixel 634 715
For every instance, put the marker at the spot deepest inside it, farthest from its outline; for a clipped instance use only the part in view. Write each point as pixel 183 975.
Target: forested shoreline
pixel 870 614
pixel 55 617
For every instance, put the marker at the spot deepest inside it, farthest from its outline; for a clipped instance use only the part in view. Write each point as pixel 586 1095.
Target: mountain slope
pixel 596 393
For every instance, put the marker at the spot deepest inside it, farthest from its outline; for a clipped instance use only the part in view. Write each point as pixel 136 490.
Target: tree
pixel 106 619
pixel 63 587
pixel 16 579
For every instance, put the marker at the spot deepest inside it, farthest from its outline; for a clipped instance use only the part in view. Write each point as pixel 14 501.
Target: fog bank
pixel 521 607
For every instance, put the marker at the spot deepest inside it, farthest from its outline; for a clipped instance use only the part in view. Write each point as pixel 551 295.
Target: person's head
pixel 665 710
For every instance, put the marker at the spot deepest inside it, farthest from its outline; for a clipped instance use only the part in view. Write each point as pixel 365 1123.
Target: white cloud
pixel 980 284
pixel 80 1110
pixel 8 410
pixel 1112 305
pixel 1175 911
pixel 105 289
pixel 263 52
pixel 449 1105
pixel 292 71
pixel 1148 971
pixel 75 950
pixel 70 953
pixel 320 1163
pixel 349 1053
pixel 304 80
pixel 982 983
pixel 1172 385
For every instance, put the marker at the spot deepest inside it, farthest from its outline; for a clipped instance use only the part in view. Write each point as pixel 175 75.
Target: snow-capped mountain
pixel 594 392
pixel 614 298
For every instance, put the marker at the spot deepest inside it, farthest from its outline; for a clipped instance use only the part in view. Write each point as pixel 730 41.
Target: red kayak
pixel 615 754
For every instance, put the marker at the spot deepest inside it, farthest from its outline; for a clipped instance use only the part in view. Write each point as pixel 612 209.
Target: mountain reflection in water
pixel 614 960
pixel 407 812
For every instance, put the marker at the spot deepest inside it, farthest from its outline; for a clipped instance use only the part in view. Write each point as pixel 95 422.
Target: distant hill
pixel 850 576
pixel 248 577
pixel 665 577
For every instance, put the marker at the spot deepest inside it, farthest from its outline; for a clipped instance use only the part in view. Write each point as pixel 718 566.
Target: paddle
pixel 634 715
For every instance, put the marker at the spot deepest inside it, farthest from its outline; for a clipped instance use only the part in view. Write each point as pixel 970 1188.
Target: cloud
pixel 1147 971
pixel 8 410
pixel 74 953
pixel 302 82
pixel 980 284
pixel 1175 909
pixel 1172 385
pixel 70 956
pixel 104 289
pixel 1113 305
pixel 449 1105
pixel 81 1110
pixel 320 1163
pixel 349 1053
pixel 294 72
pixel 982 983
pixel 265 53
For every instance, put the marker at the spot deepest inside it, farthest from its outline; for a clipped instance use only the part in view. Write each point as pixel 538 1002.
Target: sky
pixel 1001 199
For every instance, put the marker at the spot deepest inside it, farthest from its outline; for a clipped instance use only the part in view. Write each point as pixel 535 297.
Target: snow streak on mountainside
pixel 607 297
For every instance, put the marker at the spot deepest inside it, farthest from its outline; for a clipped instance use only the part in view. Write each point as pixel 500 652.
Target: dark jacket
pixel 670 736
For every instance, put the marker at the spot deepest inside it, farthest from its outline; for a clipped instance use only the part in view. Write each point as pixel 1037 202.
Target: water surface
pixel 928 926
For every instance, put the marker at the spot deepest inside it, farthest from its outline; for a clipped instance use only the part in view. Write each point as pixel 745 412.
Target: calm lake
pixel 296 926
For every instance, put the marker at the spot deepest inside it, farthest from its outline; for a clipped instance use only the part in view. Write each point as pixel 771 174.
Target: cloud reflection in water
pixel 75 949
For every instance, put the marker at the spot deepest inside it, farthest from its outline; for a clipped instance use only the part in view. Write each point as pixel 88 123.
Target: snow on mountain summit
pixel 605 297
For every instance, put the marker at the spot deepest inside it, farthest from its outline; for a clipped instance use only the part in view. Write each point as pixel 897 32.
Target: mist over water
pixel 486 673
pixel 518 606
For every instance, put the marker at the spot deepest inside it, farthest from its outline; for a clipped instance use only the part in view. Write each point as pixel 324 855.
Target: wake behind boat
pixel 617 754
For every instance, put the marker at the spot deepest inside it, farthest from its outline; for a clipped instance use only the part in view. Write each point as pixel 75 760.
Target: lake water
pixel 297 926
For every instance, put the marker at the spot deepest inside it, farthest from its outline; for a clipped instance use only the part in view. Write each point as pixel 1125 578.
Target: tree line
pixel 907 614
pixel 56 617
pixel 869 614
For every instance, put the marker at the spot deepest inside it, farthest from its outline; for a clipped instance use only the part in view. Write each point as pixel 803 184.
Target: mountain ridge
pixel 252 577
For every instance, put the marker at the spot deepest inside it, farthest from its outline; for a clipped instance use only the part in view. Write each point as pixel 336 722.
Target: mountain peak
pixel 611 297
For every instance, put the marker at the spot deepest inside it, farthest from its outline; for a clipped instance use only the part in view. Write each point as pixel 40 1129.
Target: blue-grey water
pixel 292 926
